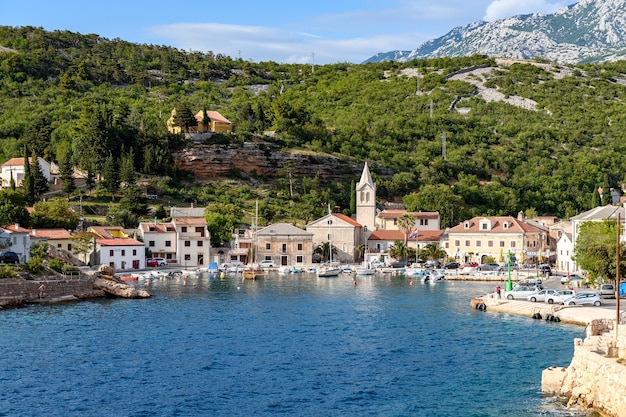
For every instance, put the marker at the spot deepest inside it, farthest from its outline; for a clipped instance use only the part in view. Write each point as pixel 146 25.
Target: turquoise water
pixel 293 346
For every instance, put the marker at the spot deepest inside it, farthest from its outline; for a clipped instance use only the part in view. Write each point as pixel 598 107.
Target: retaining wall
pixel 17 291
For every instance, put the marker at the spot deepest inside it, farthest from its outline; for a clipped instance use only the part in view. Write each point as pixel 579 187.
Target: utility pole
pixel 312 62
pixel 443 145
pixel 617 275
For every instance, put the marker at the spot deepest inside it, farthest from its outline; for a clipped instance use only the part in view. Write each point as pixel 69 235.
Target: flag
pixel 413 234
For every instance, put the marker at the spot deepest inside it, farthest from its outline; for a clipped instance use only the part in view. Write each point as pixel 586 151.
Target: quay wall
pixel 14 292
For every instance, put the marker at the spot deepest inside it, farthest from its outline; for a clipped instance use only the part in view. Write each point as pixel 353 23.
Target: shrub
pixel 35 264
pixel 56 264
pixel 6 272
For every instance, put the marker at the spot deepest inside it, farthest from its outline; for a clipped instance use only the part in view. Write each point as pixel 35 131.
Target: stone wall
pixel 16 291
pixel 595 381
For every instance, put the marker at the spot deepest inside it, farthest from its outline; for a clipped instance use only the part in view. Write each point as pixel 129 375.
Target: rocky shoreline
pixel 18 292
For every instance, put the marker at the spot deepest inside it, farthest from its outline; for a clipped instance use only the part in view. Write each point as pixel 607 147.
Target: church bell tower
pixel 366 202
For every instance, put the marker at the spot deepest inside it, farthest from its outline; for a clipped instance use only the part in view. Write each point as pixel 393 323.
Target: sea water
pixel 294 345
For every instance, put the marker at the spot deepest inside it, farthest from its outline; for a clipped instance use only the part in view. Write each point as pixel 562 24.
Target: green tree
pixel 221 226
pixel 83 244
pixel 90 181
pixel 66 174
pixel 595 249
pixel 13 208
pixel 28 182
pixel 127 169
pixel 434 252
pixel 406 223
pixel 111 176
pixel 160 212
pixel 134 200
pixel 118 216
pixel 398 250
pixel 184 118
pixel 40 182
pixel 324 251
pixel 441 199
pixel 54 213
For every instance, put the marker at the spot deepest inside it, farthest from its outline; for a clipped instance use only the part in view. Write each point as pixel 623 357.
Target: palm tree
pixel 398 250
pixel 406 223
pixel 324 250
pixel 433 251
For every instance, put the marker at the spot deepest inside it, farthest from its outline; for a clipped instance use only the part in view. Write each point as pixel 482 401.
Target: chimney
pixel 34 231
pixel 17 226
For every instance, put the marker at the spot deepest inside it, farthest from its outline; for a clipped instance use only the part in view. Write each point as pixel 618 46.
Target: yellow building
pixel 208 122
pixel 480 237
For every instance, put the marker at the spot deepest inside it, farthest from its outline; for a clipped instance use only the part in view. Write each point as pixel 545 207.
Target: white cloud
pixel 500 9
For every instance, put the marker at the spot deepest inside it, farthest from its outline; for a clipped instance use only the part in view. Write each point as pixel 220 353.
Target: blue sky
pixel 320 31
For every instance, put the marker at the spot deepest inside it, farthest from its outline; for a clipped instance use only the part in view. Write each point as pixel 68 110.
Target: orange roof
pixel 422 235
pixel 50 233
pixel 118 242
pixel 347 219
pixel 217 117
pixel 15 228
pixel 497 225
pixel 157 227
pixel 16 162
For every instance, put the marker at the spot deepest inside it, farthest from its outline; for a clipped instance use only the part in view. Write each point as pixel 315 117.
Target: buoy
pixel 355 282
pixel 222 275
pixel 410 282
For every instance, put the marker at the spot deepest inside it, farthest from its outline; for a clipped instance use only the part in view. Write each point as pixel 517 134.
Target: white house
pixel 16 238
pixel 15 167
pixel 193 244
pixel 424 220
pixel 161 239
pixel 121 254
pixel 564 253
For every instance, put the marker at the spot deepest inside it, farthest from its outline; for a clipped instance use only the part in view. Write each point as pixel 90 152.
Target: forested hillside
pixel 83 98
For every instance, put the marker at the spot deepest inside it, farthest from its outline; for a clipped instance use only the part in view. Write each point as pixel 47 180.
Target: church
pixel 367 235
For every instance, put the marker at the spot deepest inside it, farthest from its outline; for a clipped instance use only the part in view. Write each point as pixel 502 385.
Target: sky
pixel 299 31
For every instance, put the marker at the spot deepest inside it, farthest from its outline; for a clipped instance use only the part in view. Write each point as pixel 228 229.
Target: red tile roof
pixel 15 228
pixel 347 219
pixel 118 242
pixel 189 220
pixel 50 233
pixel 157 227
pixel 422 236
pixel 497 225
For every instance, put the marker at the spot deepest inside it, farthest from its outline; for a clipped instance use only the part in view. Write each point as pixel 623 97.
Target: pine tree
pixel 127 170
pixel 90 181
pixel 66 173
pixel 28 185
pixel 110 172
pixel 40 182
pixel 12 182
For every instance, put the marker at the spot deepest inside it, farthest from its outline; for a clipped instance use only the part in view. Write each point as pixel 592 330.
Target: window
pixel 111 252
pixel 395 222
pixel 490 243
pixel 123 252
pixel 59 245
pixel 457 243
pixel 284 248
pixel 484 226
pixel 268 246
pixel 300 246
pixel 183 229
pixel 200 230
pixel 168 243
pixel 151 243
pixel 513 244
pixel 478 243
pixel 134 252
pixel 200 243
pixel 69 247
pixel 188 257
pixel 299 259
pixel 187 243
pixel 423 222
pixel 467 243
pixel 502 243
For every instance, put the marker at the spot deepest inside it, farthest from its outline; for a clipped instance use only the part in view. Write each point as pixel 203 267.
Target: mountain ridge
pixel 587 31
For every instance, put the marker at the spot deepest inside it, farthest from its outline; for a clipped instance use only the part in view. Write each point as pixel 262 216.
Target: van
pixel 607 291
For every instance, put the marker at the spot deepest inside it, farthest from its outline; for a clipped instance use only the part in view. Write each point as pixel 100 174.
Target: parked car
pixel 8 257
pixel 505 268
pixel 432 265
pixel 530 281
pixel 468 265
pixel 545 269
pixel 451 265
pixel 560 296
pixel 584 298
pixel 231 265
pixel 607 291
pixel 377 264
pixel 571 278
pixel 541 295
pixel 488 267
pixel 400 263
pixel 151 262
pixel 267 263
pixel 521 292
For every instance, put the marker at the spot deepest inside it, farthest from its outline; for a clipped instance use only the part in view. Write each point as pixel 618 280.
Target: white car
pixel 571 278
pixel 521 292
pixel 559 296
pixel 584 298
pixel 541 295
pixel 267 263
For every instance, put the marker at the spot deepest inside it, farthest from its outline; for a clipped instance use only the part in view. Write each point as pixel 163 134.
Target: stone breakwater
pixel 596 377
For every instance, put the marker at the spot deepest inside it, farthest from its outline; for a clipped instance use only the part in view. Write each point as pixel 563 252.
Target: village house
pixel 193 244
pixel 120 253
pixel 160 239
pixel 14 167
pixel 381 241
pixel 208 122
pixel 16 238
pixel 343 232
pixel 285 245
pixel 424 220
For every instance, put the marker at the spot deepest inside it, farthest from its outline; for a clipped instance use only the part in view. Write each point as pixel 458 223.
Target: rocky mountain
pixel 588 31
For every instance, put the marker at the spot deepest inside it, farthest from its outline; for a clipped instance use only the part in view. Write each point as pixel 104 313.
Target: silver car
pixel 559 296
pixel 541 295
pixel 584 298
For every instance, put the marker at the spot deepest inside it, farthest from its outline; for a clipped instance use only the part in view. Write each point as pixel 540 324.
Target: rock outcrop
pixel 112 286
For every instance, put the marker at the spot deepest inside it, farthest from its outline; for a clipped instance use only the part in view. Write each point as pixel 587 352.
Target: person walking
pixel 498 292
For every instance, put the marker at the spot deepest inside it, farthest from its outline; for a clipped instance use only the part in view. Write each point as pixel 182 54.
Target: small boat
pixel 129 277
pixel 252 273
pixel 365 269
pixel 436 276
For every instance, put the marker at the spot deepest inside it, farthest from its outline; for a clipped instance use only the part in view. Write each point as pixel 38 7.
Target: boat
pixel 365 269
pixel 254 272
pixel 330 269
pixel 436 276
pixel 129 277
